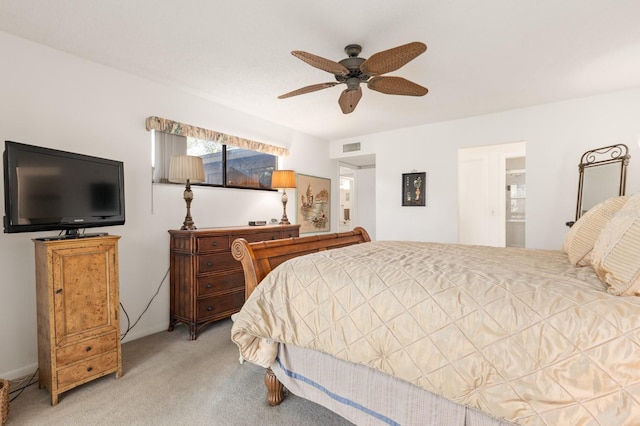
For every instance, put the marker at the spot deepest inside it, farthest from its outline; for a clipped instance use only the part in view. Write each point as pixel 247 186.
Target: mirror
pixel 603 174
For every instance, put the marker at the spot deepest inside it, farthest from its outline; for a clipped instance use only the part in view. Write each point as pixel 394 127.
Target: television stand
pixel 72 236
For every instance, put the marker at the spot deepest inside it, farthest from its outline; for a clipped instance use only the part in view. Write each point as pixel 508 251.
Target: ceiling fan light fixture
pixel 353 83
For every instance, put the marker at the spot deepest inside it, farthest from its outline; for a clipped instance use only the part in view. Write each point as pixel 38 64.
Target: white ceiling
pixel 482 57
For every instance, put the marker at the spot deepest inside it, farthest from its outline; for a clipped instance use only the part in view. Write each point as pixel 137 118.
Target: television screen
pixel 47 189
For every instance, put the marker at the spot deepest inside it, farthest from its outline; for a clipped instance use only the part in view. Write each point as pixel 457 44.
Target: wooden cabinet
pixel 207 283
pixel 78 306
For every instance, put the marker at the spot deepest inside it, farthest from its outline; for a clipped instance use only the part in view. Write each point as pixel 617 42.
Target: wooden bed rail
pixel 259 258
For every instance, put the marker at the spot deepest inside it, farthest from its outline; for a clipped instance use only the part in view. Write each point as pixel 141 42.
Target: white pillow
pixel 616 253
pixel 581 237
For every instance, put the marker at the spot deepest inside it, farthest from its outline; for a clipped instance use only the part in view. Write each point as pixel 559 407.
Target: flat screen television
pixel 46 189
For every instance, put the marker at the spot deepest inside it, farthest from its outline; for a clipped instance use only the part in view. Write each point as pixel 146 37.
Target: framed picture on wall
pixel 313 203
pixel 414 189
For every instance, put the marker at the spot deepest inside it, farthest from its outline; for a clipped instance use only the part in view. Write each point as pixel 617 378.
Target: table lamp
pixel 186 169
pixel 283 179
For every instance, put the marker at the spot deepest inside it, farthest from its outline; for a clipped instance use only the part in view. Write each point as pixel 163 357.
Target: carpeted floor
pixel 171 380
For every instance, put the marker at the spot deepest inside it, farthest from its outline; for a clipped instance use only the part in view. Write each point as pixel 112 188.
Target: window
pixel 224 165
pixel 231 166
pixel 229 161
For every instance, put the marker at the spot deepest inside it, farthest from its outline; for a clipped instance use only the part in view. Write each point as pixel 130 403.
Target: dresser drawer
pixel 215 306
pixel 88 348
pixel 262 236
pixel 215 283
pixel 217 262
pixel 207 244
pixel 85 370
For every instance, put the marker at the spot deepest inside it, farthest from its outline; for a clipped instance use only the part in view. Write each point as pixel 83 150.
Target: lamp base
pixel 188 224
pixel 285 198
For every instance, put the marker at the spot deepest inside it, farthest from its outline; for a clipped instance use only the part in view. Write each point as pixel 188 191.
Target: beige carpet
pixel 171 380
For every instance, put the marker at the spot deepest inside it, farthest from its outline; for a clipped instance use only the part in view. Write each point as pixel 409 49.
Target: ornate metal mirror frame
pixel 603 182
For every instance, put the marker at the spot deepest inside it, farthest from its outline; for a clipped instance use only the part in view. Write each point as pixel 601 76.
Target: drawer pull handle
pixel 89 368
pixel 58 291
pixel 209 263
pixel 209 308
pixel 215 244
pixel 88 348
pixel 209 285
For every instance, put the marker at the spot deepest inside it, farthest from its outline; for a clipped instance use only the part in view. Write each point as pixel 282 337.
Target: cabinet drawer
pixel 215 306
pixel 207 244
pixel 220 282
pixel 217 262
pixel 263 236
pixel 88 348
pixel 85 370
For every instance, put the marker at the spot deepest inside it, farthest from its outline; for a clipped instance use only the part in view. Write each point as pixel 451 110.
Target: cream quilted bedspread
pixel 519 334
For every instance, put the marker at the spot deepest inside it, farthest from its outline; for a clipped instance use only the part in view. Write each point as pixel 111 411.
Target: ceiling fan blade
pixel 392 59
pixel 321 63
pixel 308 89
pixel 349 99
pixel 396 86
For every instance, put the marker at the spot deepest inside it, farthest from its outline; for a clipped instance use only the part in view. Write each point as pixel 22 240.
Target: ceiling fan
pixel 355 70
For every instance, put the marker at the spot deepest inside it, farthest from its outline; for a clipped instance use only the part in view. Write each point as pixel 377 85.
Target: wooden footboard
pixel 259 258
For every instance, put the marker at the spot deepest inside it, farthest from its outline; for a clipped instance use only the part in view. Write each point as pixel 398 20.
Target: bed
pixel 407 332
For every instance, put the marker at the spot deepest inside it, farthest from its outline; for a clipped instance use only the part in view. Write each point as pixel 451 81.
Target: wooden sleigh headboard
pixel 259 258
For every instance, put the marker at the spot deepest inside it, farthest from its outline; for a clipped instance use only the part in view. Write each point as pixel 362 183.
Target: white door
pixel 481 194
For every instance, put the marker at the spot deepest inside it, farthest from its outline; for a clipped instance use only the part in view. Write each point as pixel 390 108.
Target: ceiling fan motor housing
pixel 353 65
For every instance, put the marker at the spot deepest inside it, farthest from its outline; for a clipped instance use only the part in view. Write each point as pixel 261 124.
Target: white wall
pixel 556 136
pixel 56 100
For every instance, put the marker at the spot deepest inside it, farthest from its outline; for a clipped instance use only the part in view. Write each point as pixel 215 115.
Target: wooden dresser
pixel 207 283
pixel 78 306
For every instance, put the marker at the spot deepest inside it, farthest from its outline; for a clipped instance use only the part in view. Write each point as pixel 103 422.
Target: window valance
pixel 176 128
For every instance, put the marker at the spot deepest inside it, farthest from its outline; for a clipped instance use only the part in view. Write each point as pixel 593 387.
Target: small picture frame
pixel 414 189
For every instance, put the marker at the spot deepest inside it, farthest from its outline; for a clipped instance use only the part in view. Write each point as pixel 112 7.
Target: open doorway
pixel 483 174
pixel 357 206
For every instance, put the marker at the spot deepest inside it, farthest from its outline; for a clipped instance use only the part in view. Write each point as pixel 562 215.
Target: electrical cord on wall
pixel 129 326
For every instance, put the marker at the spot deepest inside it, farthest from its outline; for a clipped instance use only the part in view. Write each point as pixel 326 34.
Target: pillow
pixel 616 253
pixel 580 239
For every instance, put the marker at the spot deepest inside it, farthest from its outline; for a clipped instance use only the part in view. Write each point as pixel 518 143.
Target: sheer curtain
pixel 166 146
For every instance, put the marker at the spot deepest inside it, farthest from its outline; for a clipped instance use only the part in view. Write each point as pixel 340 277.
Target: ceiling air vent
pixel 351 147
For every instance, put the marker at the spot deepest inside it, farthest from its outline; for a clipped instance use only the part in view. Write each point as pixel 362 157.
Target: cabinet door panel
pixel 83 294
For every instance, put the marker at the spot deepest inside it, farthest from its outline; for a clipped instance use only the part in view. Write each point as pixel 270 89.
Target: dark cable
pixel 129 328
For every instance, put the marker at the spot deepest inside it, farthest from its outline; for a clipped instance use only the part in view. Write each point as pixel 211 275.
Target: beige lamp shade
pixel 283 179
pixel 186 167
